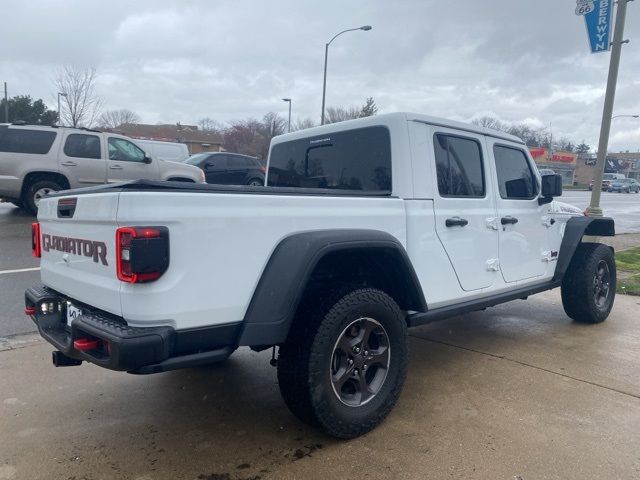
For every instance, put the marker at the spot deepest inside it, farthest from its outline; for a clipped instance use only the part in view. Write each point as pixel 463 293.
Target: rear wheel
pixel 589 285
pixel 255 182
pixel 37 191
pixel 344 364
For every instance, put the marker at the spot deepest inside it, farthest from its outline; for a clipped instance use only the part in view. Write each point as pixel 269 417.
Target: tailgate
pixel 78 257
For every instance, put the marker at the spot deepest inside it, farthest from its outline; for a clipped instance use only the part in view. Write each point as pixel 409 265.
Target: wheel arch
pixel 576 228
pixel 296 259
pixel 31 177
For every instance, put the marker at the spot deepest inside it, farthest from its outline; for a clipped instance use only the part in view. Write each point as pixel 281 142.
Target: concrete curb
pixel 19 341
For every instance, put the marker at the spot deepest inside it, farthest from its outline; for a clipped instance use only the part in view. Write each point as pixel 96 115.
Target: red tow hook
pixel 85 344
pixel 29 310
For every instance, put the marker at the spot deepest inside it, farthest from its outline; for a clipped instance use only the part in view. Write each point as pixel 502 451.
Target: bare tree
pixel 80 103
pixel 340 114
pixel 208 124
pixel 490 122
pixel 115 118
pixel 302 124
pixel 251 136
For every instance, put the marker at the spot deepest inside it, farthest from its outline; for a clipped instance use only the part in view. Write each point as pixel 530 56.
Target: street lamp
pixel 60 94
pixel 628 116
pixel 289 101
pixel 326 54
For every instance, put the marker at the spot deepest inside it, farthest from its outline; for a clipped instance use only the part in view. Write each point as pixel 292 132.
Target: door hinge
pixel 492 223
pixel 547 221
pixel 493 264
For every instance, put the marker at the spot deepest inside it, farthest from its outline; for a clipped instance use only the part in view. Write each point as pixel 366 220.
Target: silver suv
pixel 36 160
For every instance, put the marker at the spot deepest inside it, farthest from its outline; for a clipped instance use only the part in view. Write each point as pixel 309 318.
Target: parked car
pixel 358 241
pixel 168 151
pixel 626 185
pixel 36 160
pixel 225 168
pixel 607 178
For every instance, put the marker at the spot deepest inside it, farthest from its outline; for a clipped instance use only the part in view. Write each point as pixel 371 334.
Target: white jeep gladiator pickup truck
pixel 365 228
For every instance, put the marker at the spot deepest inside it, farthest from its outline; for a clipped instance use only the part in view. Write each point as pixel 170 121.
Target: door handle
pixel 69 164
pixel 508 220
pixel 115 167
pixel 456 222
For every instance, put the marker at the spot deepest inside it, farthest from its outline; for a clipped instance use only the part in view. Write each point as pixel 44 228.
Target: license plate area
pixel 73 312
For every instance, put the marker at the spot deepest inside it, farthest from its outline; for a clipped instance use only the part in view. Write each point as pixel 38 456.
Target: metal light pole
pixel 326 55
pixel 60 94
pixel 594 208
pixel 289 101
pixel 6 104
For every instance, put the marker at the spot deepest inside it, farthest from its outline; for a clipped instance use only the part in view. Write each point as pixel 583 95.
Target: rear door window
pixel 459 166
pixel 82 146
pixel 358 159
pixel 22 140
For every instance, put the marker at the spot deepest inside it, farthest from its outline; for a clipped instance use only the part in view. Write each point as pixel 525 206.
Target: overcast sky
pixel 169 61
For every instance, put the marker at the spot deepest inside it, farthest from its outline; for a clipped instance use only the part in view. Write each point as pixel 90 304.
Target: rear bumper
pixel 118 346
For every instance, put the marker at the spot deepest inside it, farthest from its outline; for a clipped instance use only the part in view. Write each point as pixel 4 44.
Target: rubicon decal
pixel 76 246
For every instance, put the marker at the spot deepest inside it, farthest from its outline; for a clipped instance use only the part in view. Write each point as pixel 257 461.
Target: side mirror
pixel 551 187
pixel 146 159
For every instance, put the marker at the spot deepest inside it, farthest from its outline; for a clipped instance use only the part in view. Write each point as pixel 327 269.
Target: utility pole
pixel 6 104
pixel 594 209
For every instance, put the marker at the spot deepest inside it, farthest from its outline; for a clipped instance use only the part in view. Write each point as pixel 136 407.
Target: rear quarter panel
pixel 220 244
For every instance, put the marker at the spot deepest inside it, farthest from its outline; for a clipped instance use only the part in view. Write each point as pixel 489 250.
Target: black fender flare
pixel 284 279
pixel 575 229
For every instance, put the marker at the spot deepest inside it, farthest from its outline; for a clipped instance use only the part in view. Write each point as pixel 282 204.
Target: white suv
pixel 37 160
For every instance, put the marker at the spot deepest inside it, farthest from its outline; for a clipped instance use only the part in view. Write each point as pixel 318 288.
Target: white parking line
pixel 19 270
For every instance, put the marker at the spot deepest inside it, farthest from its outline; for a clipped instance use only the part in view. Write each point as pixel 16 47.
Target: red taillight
pixel 263 169
pixel 35 239
pixel 29 310
pixel 154 240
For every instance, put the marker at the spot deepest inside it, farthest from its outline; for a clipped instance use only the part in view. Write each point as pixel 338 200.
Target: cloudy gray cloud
pixel 181 61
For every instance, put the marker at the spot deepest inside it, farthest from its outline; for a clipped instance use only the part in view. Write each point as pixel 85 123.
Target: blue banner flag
pixel 597 18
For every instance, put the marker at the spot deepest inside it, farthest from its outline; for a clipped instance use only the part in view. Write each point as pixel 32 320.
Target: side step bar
pixel 443 313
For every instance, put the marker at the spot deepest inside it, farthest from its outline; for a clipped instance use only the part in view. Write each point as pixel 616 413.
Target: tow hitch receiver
pixel 61 360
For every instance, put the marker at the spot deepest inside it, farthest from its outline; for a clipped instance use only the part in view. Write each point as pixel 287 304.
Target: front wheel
pixel 345 362
pixel 255 182
pixel 589 285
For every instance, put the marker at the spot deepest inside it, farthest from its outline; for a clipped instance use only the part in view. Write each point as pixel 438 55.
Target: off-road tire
pixel 29 196
pixel 305 361
pixel 580 283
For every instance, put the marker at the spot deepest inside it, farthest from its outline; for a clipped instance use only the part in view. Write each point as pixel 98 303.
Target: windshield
pixel 195 159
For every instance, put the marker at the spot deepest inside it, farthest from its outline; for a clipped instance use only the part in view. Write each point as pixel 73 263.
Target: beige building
pixel 196 140
pixel 560 162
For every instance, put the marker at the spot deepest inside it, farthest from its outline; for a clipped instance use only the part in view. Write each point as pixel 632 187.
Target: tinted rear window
pixel 20 140
pixel 358 159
